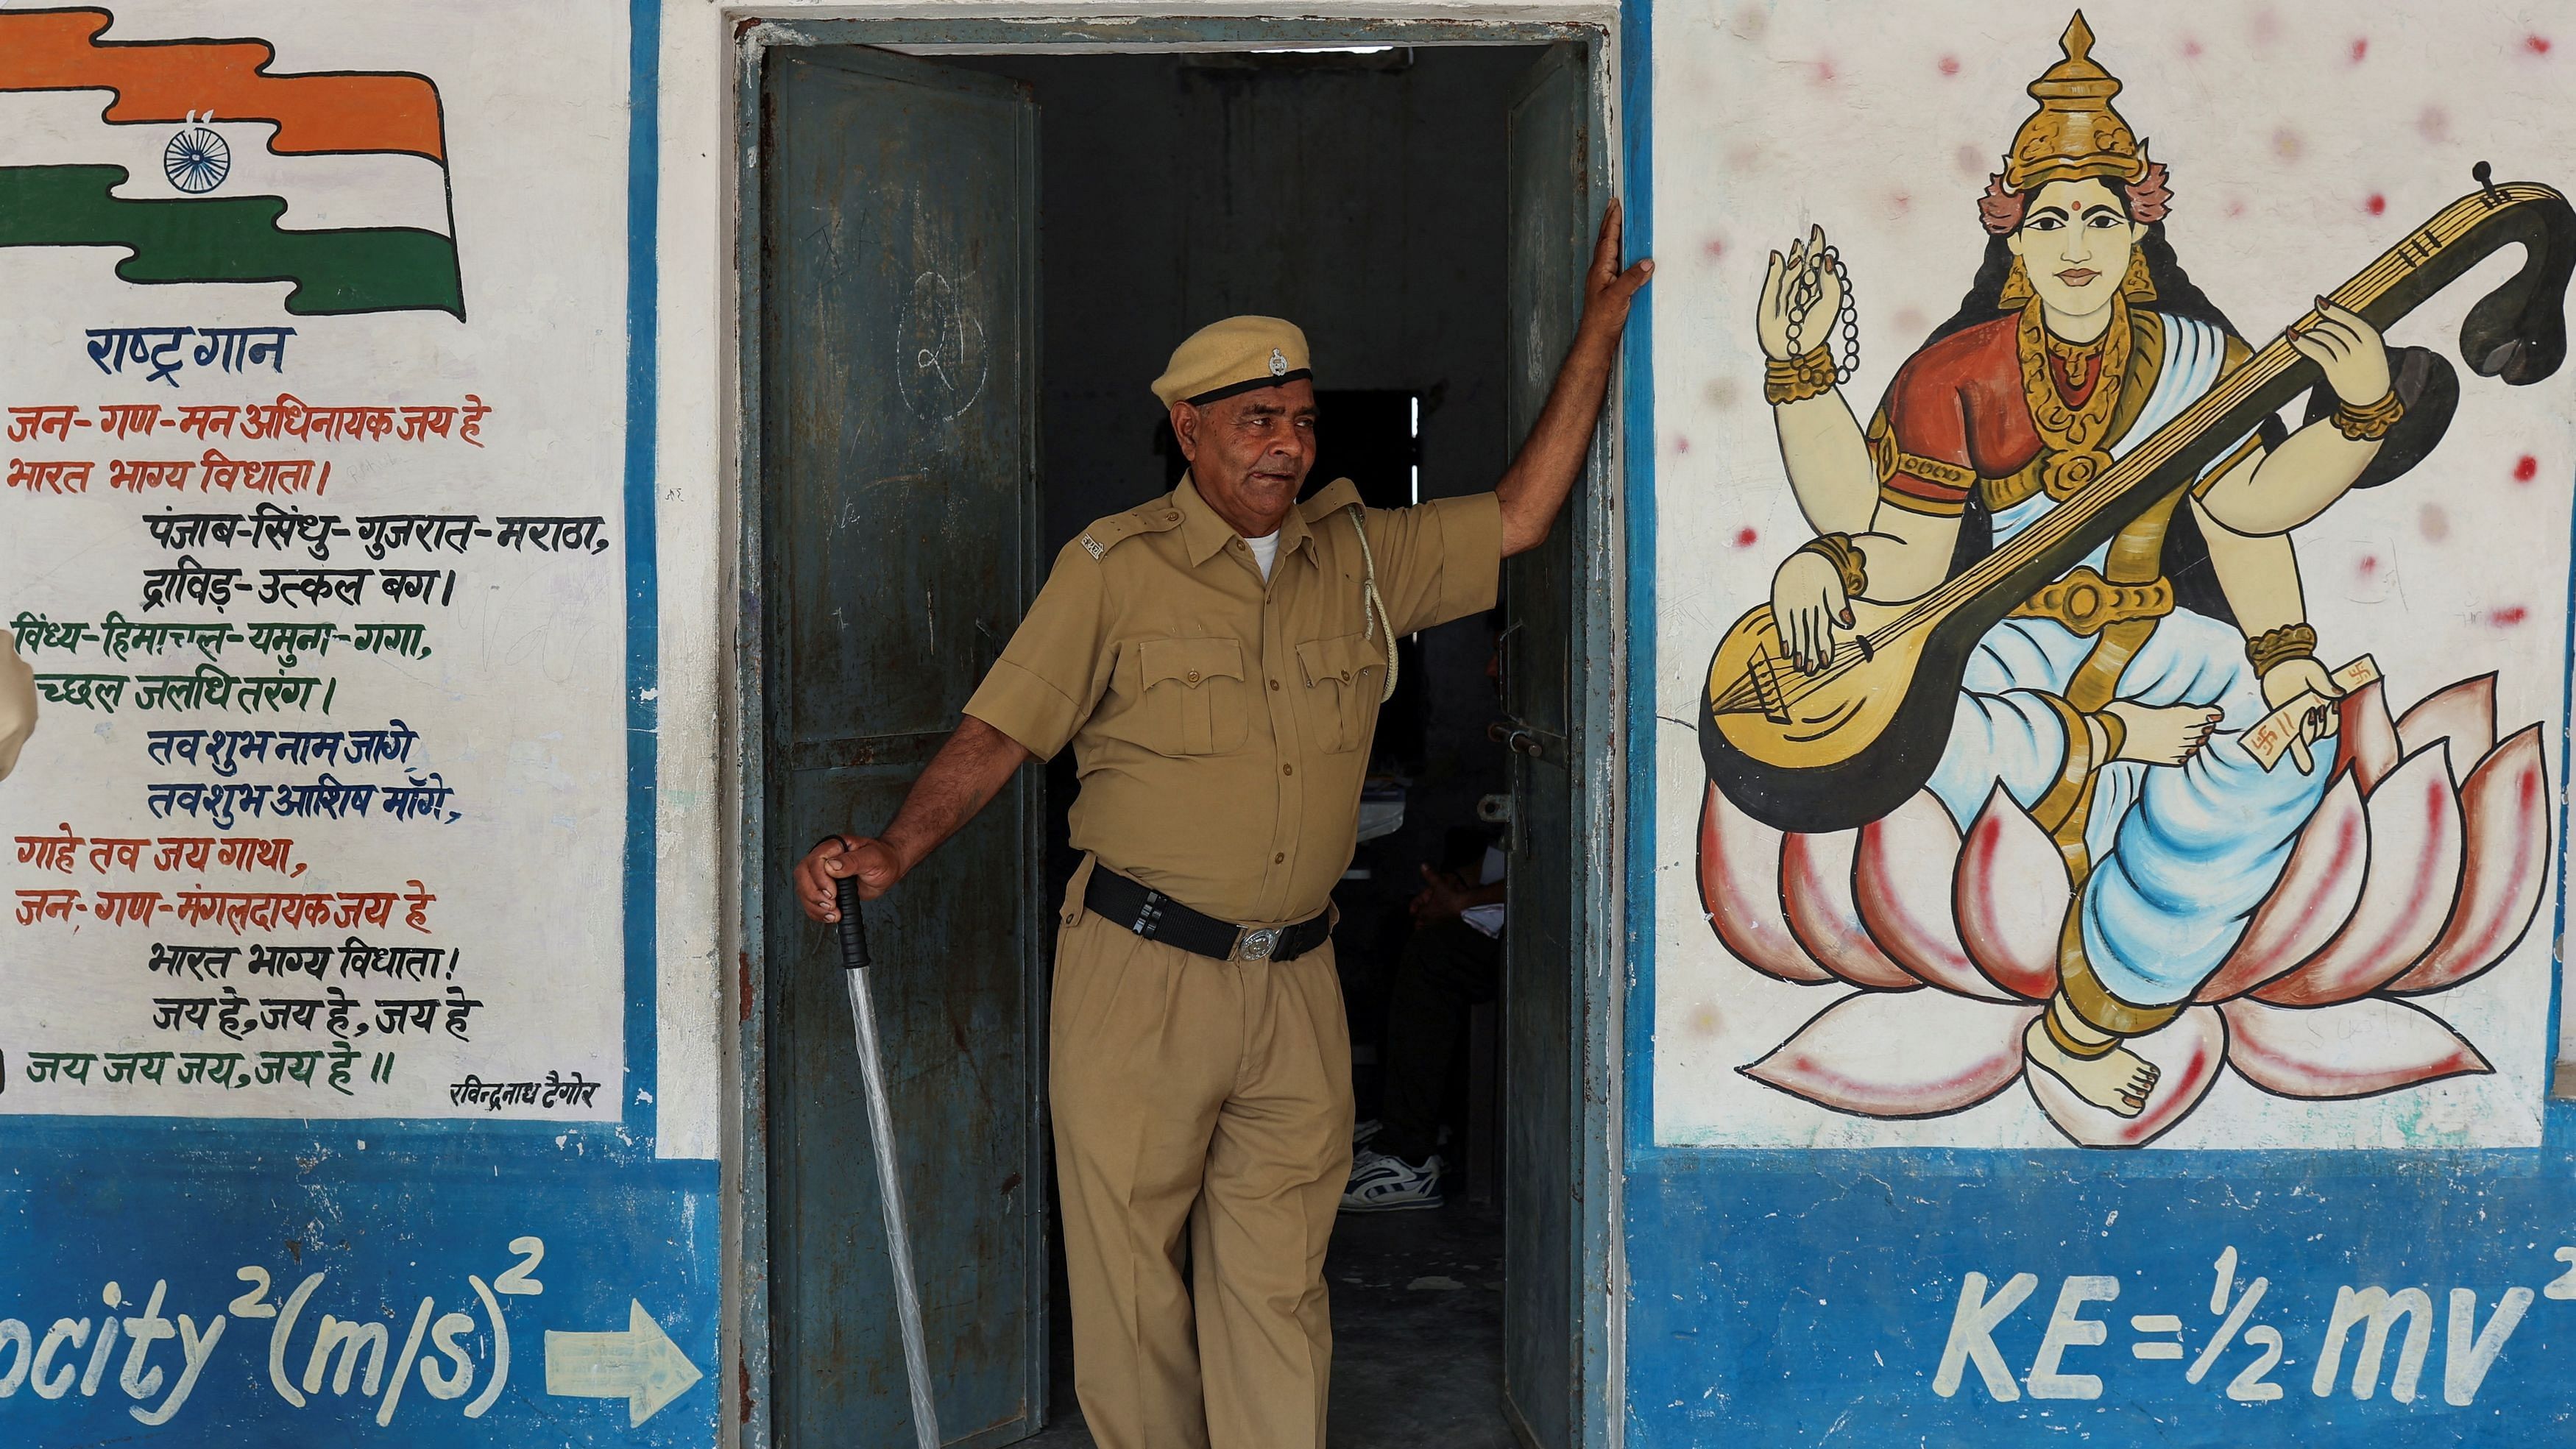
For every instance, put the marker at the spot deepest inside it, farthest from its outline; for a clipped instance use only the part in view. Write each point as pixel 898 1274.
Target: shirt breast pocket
pixel 1344 677
pixel 1193 701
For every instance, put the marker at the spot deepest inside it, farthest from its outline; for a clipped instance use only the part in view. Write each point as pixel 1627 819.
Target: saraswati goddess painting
pixel 2035 747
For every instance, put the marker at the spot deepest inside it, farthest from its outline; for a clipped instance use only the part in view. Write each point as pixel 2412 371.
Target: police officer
pixel 1216 659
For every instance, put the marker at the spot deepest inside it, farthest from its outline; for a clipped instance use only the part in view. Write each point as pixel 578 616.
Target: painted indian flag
pixel 202 165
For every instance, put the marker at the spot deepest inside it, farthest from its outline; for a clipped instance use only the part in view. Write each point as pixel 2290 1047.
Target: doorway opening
pixel 1424 213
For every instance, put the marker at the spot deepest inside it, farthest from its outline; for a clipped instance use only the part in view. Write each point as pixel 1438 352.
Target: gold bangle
pixel 2066 1041
pixel 1846 557
pixel 2275 647
pixel 1798 379
pixel 2115 735
pixel 2370 423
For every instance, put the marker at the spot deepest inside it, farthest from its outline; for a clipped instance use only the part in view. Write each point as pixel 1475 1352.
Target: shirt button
pixel 1280 859
pixel 1274 684
pixel 1287 769
pixel 1190 678
pixel 1171 518
pixel 1346 676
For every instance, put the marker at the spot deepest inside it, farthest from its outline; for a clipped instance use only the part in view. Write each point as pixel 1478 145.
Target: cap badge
pixel 1278 363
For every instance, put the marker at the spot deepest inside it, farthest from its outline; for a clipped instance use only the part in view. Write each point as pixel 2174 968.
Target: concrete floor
pixel 1417 1336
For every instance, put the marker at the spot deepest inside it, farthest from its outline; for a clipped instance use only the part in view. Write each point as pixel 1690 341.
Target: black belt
pixel 1157 917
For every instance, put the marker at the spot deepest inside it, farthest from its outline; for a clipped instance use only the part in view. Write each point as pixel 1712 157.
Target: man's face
pixel 1250 453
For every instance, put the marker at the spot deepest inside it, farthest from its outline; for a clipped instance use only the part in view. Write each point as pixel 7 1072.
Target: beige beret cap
pixel 1232 356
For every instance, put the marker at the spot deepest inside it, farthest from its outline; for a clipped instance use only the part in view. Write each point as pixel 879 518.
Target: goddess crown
pixel 2075 133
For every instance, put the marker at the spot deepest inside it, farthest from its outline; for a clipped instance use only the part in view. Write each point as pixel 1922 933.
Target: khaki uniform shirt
pixel 1221 727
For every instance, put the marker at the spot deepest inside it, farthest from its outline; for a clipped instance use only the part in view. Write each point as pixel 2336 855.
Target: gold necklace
pixel 2075 437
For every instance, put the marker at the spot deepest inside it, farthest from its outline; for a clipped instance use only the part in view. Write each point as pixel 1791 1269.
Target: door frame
pixel 1613 32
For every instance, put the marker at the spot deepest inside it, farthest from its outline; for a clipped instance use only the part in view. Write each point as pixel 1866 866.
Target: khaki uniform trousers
pixel 1213 1096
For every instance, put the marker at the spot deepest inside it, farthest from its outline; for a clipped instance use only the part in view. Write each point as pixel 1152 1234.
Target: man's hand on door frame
pixel 1532 491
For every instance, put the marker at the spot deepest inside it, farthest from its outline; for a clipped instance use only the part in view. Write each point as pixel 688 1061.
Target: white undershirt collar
pixel 1265 551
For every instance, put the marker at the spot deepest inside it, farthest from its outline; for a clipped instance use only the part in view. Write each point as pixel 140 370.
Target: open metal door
pixel 1544 677
pixel 898 518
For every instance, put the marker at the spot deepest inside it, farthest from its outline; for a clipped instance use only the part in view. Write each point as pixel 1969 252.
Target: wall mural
pixel 2035 775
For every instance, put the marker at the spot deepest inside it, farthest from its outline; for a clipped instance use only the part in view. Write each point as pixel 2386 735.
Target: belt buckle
pixel 1258 944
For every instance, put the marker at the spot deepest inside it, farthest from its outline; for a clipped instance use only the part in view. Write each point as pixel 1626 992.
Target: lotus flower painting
pixel 1933 952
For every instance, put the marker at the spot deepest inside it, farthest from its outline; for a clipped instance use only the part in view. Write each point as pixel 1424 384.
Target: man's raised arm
pixel 1533 489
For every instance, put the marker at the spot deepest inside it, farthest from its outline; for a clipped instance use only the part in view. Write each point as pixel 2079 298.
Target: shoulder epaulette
pixel 1105 534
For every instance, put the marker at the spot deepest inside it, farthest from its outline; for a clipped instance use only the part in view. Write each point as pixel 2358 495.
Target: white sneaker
pixel 1384 1184
pixel 1362 1132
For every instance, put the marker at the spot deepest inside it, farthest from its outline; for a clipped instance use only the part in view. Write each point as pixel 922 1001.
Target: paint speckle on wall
pixel 1746 538
pixel 2526 468
pixel 1681 444
pixel 2537 44
pixel 2288 144
pixel 2433 523
pixel 1949 65
pixel 2376 204
pixel 2360 49
pixel 2509 616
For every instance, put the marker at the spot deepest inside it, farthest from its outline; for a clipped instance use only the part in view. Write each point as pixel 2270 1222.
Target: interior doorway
pixel 967 268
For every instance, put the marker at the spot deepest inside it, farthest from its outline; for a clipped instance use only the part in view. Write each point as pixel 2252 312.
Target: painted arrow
pixel 641 1365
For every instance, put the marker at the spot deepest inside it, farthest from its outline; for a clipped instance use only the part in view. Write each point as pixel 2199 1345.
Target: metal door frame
pixel 1602 624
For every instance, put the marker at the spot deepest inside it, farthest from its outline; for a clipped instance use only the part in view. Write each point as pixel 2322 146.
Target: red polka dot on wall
pixel 2526 468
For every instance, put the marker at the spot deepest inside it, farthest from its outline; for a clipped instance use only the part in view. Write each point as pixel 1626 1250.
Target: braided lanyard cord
pixel 1376 606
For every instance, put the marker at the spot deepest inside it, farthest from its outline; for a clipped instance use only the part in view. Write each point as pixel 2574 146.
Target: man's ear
pixel 1185 427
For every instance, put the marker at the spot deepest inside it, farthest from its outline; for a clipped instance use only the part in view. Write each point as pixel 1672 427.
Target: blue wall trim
pixel 1637 118
pixel 643 624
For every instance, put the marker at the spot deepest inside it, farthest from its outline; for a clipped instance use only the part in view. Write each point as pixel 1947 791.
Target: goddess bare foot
pixel 2120 1081
pixel 2166 735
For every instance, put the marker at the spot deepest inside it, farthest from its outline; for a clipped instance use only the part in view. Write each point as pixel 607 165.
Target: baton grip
pixel 854 931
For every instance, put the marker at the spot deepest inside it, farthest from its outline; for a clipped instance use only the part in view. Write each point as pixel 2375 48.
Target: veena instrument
pixel 1844 746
